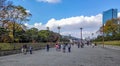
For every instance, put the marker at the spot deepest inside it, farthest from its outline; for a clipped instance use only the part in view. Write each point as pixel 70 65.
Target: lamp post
pixel 103 36
pixel 47 28
pixel 92 37
pixel 59 32
pixel 81 34
pixel 48 33
pixel 118 25
pixel 13 34
pixel 59 29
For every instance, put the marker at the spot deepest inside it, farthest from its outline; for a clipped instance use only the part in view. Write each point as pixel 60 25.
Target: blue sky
pixel 66 12
pixel 43 11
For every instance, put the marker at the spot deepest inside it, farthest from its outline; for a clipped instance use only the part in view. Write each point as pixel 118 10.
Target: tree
pixel 12 17
pixel 118 23
pixel 110 27
pixel 45 35
pixel 111 30
pixel 4 35
pixel 4 7
pixel 18 15
pixel 32 34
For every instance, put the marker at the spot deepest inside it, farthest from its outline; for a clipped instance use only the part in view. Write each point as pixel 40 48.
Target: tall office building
pixel 109 14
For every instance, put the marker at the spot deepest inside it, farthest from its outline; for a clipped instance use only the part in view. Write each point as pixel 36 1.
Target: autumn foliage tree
pixel 111 30
pixel 110 27
pixel 12 18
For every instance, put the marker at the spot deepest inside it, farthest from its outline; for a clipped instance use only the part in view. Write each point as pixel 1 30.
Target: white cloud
pixel 90 24
pixel 36 25
pixel 74 23
pixel 28 11
pixel 119 14
pixel 50 1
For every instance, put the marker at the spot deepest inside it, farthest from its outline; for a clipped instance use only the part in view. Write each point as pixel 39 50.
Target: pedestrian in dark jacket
pixel 69 47
pixel 64 48
pixel 47 47
pixel 30 49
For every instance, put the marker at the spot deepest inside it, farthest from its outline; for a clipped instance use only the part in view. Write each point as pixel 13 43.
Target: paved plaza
pixel 86 56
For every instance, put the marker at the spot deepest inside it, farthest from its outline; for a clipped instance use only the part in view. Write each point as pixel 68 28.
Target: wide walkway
pixel 87 56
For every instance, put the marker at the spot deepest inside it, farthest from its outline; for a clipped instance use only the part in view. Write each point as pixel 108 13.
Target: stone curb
pixel 111 47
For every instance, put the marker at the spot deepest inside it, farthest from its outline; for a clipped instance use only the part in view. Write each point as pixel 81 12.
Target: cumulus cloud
pixel 49 1
pixel 119 14
pixel 72 25
pixel 28 11
pixel 39 26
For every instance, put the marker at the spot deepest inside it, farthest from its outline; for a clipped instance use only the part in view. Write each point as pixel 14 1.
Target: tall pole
pixel 92 37
pixel 59 33
pixel 14 34
pixel 103 35
pixel 81 34
pixel 118 25
pixel 48 28
pixel 48 34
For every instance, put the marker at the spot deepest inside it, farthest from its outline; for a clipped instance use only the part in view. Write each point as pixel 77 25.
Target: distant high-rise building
pixel 109 14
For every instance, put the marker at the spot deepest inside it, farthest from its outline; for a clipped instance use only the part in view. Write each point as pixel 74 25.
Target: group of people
pixel 80 45
pixel 59 47
pixel 26 49
pixel 63 47
pixel 94 45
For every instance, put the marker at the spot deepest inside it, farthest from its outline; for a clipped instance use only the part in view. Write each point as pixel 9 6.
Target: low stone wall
pixel 18 50
pixel 9 52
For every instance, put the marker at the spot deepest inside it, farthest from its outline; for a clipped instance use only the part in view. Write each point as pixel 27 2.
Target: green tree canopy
pixel 110 27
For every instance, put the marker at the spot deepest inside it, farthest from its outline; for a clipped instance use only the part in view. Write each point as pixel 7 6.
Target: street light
pixel 47 28
pixel 13 34
pixel 92 37
pixel 59 32
pixel 59 29
pixel 103 35
pixel 118 25
pixel 48 33
pixel 81 34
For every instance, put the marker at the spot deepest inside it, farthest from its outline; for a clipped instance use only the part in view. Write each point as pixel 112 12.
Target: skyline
pixel 67 13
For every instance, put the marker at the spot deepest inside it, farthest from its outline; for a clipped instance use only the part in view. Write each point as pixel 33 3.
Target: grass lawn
pixel 6 46
pixel 114 43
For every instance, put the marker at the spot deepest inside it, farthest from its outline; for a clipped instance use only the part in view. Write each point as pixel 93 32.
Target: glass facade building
pixel 109 14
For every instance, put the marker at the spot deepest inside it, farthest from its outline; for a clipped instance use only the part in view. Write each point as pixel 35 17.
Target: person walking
pixel 57 47
pixel 25 49
pixel 95 44
pixel 78 45
pixel 64 48
pixel 82 45
pixel 69 48
pixel 22 49
pixel 30 49
pixel 47 47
